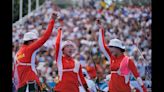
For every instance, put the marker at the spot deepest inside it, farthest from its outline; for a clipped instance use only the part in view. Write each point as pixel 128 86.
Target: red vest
pixel 124 69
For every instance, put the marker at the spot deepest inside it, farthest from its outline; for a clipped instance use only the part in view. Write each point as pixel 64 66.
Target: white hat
pixel 29 36
pixel 65 43
pixel 116 43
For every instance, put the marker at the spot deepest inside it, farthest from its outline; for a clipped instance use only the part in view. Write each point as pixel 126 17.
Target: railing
pixel 22 20
pixel 20 3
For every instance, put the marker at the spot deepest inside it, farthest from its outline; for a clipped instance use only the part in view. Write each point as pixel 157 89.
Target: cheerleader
pixel 69 70
pixel 120 65
pixel 25 75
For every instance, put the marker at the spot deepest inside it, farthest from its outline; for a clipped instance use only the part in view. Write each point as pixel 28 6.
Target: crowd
pixel 130 24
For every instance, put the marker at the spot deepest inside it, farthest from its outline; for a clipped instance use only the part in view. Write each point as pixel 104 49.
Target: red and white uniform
pixel 118 83
pixel 24 67
pixel 70 72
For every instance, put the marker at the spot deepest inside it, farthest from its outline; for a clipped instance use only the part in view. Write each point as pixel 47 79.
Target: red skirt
pixel 66 87
pixel 117 84
pixel 69 83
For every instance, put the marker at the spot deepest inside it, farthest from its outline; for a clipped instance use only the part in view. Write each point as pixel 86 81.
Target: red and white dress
pixel 24 66
pixel 119 82
pixel 69 70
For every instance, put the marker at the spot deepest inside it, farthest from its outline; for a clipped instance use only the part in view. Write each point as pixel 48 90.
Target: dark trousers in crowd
pixel 32 87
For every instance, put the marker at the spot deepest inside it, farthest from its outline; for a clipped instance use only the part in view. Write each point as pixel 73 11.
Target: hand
pixel 54 15
pixel 98 22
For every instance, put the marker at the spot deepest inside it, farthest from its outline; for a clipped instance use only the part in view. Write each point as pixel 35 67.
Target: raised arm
pixel 58 52
pixel 58 44
pixel 35 45
pixel 102 45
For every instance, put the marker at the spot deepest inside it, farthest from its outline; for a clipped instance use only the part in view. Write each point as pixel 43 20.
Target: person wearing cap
pixel 120 65
pixel 69 70
pixel 25 75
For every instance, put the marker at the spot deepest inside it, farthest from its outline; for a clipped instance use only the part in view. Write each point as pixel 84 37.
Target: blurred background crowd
pixel 131 24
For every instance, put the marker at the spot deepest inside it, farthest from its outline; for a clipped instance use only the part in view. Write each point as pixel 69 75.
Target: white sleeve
pixel 102 45
pixel 59 55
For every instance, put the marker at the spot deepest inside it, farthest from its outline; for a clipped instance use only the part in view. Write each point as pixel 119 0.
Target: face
pixel 34 40
pixel 68 50
pixel 115 51
pixel 31 41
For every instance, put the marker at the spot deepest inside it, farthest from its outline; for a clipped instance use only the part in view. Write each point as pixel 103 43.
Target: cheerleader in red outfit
pixel 120 65
pixel 69 70
pixel 24 66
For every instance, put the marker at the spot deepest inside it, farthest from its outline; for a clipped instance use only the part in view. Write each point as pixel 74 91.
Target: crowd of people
pixel 131 24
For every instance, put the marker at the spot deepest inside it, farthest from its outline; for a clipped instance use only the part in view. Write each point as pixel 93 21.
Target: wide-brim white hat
pixel 30 36
pixel 116 43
